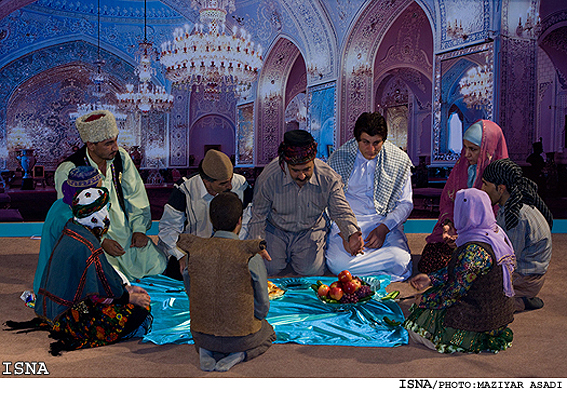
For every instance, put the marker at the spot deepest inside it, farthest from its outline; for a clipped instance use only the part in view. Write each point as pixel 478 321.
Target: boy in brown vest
pixel 226 281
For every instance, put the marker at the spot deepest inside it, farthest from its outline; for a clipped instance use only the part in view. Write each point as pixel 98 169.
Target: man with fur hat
pixel 126 244
pixel 527 221
pixel 187 210
pixel 288 211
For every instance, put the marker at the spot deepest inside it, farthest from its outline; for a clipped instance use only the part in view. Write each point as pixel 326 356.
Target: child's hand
pixel 182 264
pixel 265 255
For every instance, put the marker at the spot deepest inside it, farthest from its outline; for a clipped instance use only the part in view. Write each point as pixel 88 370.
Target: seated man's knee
pixel 309 267
pixel 338 263
pixel 275 266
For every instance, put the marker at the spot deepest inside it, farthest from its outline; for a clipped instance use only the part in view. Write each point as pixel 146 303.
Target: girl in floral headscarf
pixel 483 143
pixel 470 303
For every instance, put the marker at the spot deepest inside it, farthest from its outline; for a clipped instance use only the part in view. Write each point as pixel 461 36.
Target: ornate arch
pixel 271 99
pixel 356 79
pixel 318 38
pixel 23 69
pixel 552 42
pixel 211 126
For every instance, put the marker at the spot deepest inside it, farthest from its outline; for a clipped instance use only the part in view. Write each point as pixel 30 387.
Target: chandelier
pixel 476 87
pixel 209 57
pixel 97 90
pixel 148 96
pixel 456 31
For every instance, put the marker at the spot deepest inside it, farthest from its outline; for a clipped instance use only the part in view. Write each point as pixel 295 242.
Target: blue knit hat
pixel 80 178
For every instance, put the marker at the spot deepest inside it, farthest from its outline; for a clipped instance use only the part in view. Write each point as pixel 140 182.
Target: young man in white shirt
pixel 377 178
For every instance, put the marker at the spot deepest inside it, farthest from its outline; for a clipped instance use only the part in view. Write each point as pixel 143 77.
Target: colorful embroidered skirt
pixel 429 324
pixel 88 324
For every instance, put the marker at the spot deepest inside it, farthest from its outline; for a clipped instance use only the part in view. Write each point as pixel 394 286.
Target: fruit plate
pixel 372 282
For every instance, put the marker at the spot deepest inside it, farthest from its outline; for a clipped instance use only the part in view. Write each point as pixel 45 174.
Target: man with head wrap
pixel 527 222
pixel 126 244
pixel 80 178
pixel 288 211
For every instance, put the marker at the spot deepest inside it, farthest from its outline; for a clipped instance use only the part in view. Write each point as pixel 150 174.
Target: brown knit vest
pixel 221 298
pixel 484 307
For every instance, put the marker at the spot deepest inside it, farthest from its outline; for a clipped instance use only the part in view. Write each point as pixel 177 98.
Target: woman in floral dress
pixel 470 302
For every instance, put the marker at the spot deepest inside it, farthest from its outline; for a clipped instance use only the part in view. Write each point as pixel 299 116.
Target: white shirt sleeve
pixel 61 175
pixel 171 224
pixel 403 207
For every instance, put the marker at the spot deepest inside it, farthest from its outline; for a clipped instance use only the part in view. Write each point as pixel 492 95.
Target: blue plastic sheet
pixel 298 317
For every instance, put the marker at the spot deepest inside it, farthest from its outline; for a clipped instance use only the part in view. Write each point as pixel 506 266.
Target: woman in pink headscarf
pixel 470 302
pixel 483 143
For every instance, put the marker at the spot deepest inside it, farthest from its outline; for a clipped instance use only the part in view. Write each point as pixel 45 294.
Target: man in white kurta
pixel 126 245
pixel 187 210
pixel 377 178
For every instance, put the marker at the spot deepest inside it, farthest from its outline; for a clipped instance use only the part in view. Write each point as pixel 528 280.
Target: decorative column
pixel 517 99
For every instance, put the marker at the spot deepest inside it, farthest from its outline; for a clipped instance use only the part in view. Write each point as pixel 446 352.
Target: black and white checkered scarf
pixel 522 190
pixel 392 169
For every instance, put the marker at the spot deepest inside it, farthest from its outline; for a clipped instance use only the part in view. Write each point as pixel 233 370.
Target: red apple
pixel 336 284
pixel 357 283
pixel 323 291
pixel 336 293
pixel 351 287
pixel 345 276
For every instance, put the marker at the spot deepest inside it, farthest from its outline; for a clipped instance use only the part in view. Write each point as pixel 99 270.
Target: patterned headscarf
pixel 492 147
pixel 298 147
pixel 80 178
pixel 475 222
pixel 522 190
pixel 90 208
